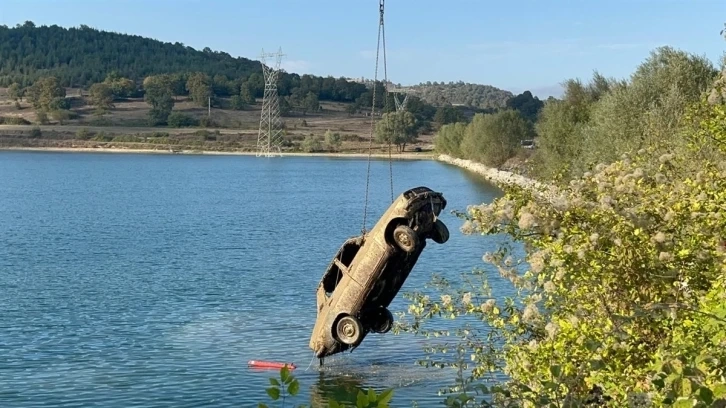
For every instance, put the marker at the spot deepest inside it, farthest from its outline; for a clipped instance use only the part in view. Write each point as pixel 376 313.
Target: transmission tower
pixel 400 104
pixel 269 137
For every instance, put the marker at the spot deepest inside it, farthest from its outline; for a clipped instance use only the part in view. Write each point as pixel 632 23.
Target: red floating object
pixel 270 364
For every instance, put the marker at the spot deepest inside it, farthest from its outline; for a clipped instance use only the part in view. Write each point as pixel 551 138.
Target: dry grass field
pixel 126 126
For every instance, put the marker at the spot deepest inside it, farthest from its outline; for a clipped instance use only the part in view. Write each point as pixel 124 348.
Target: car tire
pixel 349 330
pixel 405 238
pixel 382 321
pixel 441 232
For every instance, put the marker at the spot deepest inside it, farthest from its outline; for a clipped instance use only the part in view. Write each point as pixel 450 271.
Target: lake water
pixel 132 280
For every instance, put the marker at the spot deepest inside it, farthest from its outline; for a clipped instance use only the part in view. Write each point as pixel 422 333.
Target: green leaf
pixel 333 404
pixel 274 393
pixel 362 400
pixel 385 397
pixel 273 381
pixel 285 374
pixel 550 385
pixel 706 395
pixel 686 390
pixel 371 395
pixel 683 403
pixel 261 405
pixel 719 391
pixel 556 371
pixel 485 390
pixel 294 387
pixel 591 345
pixel 597 364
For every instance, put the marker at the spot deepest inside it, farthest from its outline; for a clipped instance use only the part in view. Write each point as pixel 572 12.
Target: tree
pixel 221 86
pixel 562 127
pixel 606 118
pixel 492 139
pixel 332 140
pixel 237 103
pixel 14 91
pixel 448 139
pixel 102 97
pixel 45 92
pixel 284 105
pixel 312 143
pixel 311 102
pixel 398 128
pixel 448 114
pixel 158 94
pixel 199 86
pixel 120 87
pixel 246 95
pixel 179 84
pixel 529 106
pixel 352 108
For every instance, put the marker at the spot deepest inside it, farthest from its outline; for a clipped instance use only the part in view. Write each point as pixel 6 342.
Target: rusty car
pixel 367 272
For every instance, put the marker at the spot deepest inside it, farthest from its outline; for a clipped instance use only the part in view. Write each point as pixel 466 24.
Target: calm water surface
pixel 151 280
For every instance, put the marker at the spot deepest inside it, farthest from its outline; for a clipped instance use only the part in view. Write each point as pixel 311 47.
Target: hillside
pixel 461 93
pixel 82 56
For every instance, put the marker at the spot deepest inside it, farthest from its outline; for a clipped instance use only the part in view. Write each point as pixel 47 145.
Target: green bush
pixel 178 119
pixel 491 138
pixel 102 137
pixel 13 120
pixel 237 102
pixel 312 144
pixel 84 134
pixel 207 122
pixel 601 120
pixel 36 133
pixel 42 117
pixel 622 292
pixel 333 140
pixel 63 116
pixel 127 139
pixel 448 139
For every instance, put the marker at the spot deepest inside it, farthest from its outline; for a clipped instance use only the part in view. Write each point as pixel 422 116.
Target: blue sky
pixel 516 46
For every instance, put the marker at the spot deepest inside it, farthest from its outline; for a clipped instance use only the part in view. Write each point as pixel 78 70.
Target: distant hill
pixel 461 93
pixel 82 56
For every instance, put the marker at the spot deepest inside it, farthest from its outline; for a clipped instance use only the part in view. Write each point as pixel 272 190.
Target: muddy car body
pixel 369 270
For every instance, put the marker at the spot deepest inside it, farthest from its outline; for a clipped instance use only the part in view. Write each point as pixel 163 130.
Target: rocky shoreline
pixel 501 177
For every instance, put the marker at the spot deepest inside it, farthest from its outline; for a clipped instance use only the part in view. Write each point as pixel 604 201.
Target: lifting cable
pixel 381 36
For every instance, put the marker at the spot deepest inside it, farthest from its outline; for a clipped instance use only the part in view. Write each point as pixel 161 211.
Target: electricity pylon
pixel 269 140
pixel 400 104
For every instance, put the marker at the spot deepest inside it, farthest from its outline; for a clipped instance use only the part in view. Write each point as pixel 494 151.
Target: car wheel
pixel 441 232
pixel 382 321
pixel 405 238
pixel 349 330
